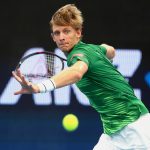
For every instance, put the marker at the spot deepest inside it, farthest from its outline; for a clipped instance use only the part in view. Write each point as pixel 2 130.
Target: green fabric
pixel 108 92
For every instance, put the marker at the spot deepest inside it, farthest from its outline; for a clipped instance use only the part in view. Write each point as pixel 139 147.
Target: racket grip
pixel 46 86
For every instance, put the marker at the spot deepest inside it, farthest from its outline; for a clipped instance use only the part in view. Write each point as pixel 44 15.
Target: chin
pixel 65 49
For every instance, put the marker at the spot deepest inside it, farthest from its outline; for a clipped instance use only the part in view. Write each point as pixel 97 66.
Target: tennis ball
pixel 70 122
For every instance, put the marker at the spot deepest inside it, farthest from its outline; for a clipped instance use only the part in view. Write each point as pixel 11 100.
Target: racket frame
pixel 37 53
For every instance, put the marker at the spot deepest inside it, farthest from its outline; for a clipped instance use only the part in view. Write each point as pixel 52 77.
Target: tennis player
pixel 126 120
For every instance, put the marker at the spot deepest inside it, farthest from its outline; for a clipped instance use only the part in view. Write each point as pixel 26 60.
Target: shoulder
pixel 81 47
pixel 79 52
pixel 85 46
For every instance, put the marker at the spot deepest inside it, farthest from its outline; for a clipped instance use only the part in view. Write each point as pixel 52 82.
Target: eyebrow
pixel 63 29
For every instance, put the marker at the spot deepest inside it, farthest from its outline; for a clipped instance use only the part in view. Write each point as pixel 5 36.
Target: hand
pixel 27 87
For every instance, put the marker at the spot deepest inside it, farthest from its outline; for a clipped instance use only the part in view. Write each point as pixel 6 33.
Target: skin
pixel 65 38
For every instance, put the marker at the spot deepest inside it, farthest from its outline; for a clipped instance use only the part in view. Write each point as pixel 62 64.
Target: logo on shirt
pixel 80 55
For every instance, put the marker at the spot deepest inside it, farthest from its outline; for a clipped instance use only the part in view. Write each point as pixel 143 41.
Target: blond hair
pixel 68 15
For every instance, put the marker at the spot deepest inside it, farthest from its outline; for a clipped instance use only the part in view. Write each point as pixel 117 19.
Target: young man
pixel 126 121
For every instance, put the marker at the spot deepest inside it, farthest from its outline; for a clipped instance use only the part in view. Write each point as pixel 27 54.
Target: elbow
pixel 111 53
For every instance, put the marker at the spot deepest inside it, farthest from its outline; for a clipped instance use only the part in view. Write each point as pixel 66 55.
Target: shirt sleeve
pixel 78 57
pixel 103 49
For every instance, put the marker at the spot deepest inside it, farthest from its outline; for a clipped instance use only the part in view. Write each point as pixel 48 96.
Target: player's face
pixel 65 37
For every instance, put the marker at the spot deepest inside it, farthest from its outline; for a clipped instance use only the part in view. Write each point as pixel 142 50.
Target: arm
pixel 110 51
pixel 71 74
pixel 68 76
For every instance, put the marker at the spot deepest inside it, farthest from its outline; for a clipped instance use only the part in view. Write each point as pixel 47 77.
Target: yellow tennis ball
pixel 70 122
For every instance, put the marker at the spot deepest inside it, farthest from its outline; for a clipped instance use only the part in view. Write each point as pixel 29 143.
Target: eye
pixel 67 31
pixel 56 33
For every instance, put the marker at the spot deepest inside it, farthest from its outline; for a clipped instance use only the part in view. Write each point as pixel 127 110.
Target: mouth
pixel 63 45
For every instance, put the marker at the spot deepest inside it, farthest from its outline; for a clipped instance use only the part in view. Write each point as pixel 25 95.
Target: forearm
pixel 66 77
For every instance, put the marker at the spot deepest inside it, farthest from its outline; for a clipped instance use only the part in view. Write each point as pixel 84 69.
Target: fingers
pixel 16 77
pixel 22 91
pixel 26 85
pixel 19 77
pixel 18 72
pixel 18 92
pixel 24 81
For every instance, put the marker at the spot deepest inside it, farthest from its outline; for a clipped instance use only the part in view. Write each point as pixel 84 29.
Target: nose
pixel 62 36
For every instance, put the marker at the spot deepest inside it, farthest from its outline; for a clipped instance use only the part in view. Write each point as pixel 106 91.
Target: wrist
pixel 46 86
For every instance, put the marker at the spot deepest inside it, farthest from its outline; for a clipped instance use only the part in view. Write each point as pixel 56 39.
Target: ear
pixel 78 33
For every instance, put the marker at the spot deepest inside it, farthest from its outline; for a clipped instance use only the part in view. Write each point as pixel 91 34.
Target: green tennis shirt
pixel 107 90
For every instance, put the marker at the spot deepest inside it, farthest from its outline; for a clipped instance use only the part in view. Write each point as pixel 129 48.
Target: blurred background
pixel 28 122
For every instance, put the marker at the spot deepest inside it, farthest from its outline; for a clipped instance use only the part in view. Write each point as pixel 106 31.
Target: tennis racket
pixel 40 65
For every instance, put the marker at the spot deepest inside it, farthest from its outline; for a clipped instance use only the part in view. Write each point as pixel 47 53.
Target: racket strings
pixel 50 65
pixel 38 66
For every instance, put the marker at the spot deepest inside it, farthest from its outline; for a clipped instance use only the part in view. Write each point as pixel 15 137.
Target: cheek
pixel 73 38
pixel 55 40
